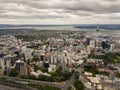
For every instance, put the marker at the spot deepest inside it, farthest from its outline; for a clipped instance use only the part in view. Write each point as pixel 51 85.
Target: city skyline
pixel 59 11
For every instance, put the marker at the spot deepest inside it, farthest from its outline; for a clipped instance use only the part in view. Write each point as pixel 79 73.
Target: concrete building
pixel 21 67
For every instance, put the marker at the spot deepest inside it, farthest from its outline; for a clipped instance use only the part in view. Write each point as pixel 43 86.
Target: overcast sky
pixel 59 11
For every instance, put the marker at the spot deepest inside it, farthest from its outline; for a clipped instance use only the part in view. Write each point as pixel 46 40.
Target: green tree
pixel 78 85
pixel 13 72
pixel 35 58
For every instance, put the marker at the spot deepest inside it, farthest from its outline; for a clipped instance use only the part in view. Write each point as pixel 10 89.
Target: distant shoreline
pixel 81 26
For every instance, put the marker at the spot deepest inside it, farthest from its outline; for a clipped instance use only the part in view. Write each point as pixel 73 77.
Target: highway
pixel 63 86
pixel 71 80
pixel 68 83
pixel 15 79
pixel 2 87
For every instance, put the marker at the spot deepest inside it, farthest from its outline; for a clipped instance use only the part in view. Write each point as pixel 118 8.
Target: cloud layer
pixel 59 11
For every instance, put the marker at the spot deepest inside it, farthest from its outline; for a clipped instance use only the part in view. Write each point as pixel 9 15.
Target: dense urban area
pixel 33 59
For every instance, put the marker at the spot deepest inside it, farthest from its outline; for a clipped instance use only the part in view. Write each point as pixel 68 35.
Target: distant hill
pixel 86 26
pixel 29 25
pixel 101 26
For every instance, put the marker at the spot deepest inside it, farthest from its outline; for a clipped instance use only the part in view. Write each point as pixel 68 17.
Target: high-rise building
pixel 105 45
pixel 21 67
pixel 6 63
pixel 112 48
